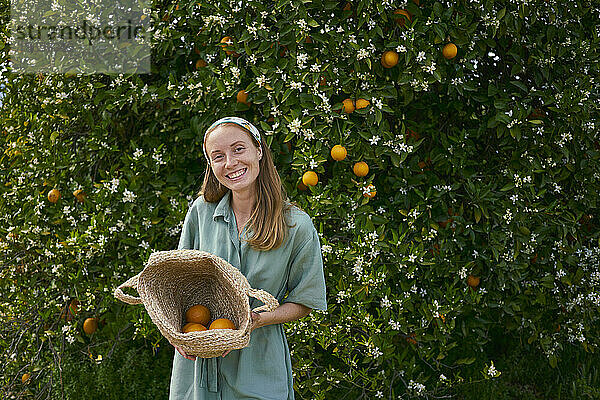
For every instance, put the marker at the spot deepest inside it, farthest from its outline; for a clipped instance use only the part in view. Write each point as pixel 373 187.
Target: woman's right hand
pixel 180 350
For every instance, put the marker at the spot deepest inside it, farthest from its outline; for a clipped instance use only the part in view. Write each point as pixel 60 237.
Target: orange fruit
pixel 534 259
pixel 198 314
pixel 79 195
pixel 193 327
pixel 371 191
pixel 53 195
pixel 338 153
pixel 348 106
pixel 412 134
pixel 222 323
pixel 361 168
pixel 226 42
pixel 473 281
pixel 242 97
pixel 25 378
pixel 389 59
pixel 347 7
pixel 403 17
pixel 443 224
pixel 73 306
pixel 201 64
pixel 449 51
pixel 301 186
pixel 310 178
pixel 362 103
pixel 90 325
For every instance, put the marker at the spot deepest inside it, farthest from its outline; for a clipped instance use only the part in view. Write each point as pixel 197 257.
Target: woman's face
pixel 233 158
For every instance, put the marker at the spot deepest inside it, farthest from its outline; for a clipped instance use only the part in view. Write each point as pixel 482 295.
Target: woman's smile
pixel 237 175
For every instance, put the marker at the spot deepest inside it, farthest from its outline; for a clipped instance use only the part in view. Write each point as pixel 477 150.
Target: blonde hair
pixel 267 220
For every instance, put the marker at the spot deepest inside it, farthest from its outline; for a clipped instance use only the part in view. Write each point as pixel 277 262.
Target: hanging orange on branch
pixel 310 178
pixel 338 152
pixel 449 51
pixel 360 168
pixel 389 59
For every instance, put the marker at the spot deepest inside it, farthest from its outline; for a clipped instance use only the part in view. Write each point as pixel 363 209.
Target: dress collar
pixel 223 208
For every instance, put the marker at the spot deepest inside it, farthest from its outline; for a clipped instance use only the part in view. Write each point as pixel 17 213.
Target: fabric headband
pixel 235 120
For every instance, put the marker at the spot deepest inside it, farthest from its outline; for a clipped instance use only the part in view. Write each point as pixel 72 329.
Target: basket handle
pixel 132 283
pixel 271 302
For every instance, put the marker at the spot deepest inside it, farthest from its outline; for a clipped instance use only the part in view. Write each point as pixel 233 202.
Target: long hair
pixel 268 218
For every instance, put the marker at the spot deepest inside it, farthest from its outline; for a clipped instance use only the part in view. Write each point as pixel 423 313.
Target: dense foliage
pixel 485 167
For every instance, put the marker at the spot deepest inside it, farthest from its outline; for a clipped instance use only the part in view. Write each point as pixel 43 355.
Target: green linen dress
pixel 291 273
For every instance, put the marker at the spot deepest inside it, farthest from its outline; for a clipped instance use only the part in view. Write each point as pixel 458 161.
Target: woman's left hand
pixel 256 323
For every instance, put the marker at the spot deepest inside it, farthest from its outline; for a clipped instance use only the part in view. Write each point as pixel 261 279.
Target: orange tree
pixel 478 214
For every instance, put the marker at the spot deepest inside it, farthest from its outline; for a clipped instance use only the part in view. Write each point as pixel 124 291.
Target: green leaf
pixel 520 85
pixel 501 13
pixel 438 10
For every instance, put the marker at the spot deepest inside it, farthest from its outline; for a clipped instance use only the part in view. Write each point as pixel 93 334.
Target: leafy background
pixel 484 165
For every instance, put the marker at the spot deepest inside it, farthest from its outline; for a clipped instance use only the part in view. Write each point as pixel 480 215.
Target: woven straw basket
pixel 175 280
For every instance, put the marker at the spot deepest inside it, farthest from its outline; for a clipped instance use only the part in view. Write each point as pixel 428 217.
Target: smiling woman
pixel 242 215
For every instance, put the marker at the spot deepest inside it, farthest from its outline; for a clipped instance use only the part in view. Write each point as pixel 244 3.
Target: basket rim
pixel 193 258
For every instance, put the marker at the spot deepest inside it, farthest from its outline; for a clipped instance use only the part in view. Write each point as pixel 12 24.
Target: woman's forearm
pixel 284 313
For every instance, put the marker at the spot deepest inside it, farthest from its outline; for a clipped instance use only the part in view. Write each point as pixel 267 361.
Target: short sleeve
pixel 306 281
pixel 189 230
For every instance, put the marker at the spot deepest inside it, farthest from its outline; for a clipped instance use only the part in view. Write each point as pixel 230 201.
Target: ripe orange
pixel 201 64
pixel 73 306
pixel 198 314
pixel 226 42
pixel 371 191
pixel 193 327
pixel 53 195
pixel 25 378
pixel 389 59
pixel 338 152
pixel 536 114
pixel 443 224
pixel 242 97
pixel 222 323
pixel 403 17
pixel 90 325
pixel 310 178
pixel 534 259
pixel 362 103
pixel 412 134
pixel 361 168
pixel 473 281
pixel 348 106
pixel 79 195
pixel 301 186
pixel 449 51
